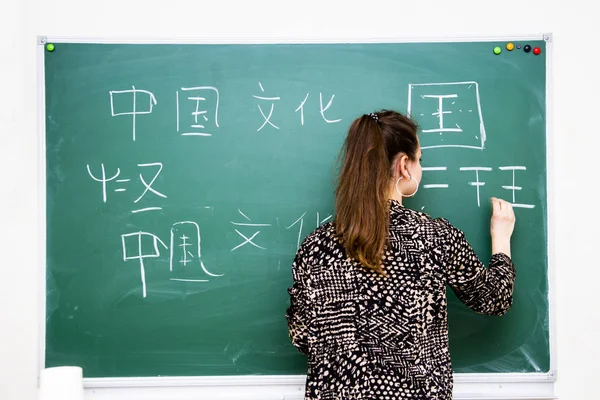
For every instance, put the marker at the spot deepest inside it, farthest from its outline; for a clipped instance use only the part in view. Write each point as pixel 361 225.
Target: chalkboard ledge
pixel 535 386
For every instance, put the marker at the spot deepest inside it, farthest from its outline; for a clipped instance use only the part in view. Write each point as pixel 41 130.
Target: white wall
pixel 575 134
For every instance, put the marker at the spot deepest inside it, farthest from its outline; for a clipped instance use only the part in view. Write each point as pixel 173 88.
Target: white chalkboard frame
pixel 492 386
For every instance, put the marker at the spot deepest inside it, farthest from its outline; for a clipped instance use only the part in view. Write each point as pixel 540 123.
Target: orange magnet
pixel 510 46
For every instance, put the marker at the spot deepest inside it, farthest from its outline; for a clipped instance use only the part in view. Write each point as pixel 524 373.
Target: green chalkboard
pixel 180 179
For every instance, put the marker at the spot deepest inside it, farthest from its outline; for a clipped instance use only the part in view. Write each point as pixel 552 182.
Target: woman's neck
pixel 394 195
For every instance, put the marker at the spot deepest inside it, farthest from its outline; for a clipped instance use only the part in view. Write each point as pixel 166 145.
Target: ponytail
pixel 361 203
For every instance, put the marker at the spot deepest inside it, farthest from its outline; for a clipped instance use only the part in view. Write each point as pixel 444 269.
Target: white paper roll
pixel 61 383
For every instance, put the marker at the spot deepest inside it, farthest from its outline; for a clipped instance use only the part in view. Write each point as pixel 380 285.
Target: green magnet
pixel 50 47
pixel 497 50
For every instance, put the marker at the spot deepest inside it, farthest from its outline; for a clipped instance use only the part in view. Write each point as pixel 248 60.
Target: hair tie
pixel 374 116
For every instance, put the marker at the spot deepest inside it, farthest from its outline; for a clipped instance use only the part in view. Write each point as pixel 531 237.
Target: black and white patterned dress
pixel 372 337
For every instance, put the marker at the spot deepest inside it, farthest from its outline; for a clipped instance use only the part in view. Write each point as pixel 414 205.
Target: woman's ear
pixel 401 167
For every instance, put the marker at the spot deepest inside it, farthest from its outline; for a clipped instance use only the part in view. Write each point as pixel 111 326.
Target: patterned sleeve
pixel 297 312
pixel 484 290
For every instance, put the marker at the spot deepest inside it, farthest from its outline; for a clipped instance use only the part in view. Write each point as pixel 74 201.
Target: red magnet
pixel 537 51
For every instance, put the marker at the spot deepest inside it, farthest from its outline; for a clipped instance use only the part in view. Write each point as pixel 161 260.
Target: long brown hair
pixel 361 203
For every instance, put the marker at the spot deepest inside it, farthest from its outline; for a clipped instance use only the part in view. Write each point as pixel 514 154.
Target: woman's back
pixel 368 303
pixel 374 336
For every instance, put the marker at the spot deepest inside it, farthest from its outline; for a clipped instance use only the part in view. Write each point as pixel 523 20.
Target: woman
pixel 368 303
